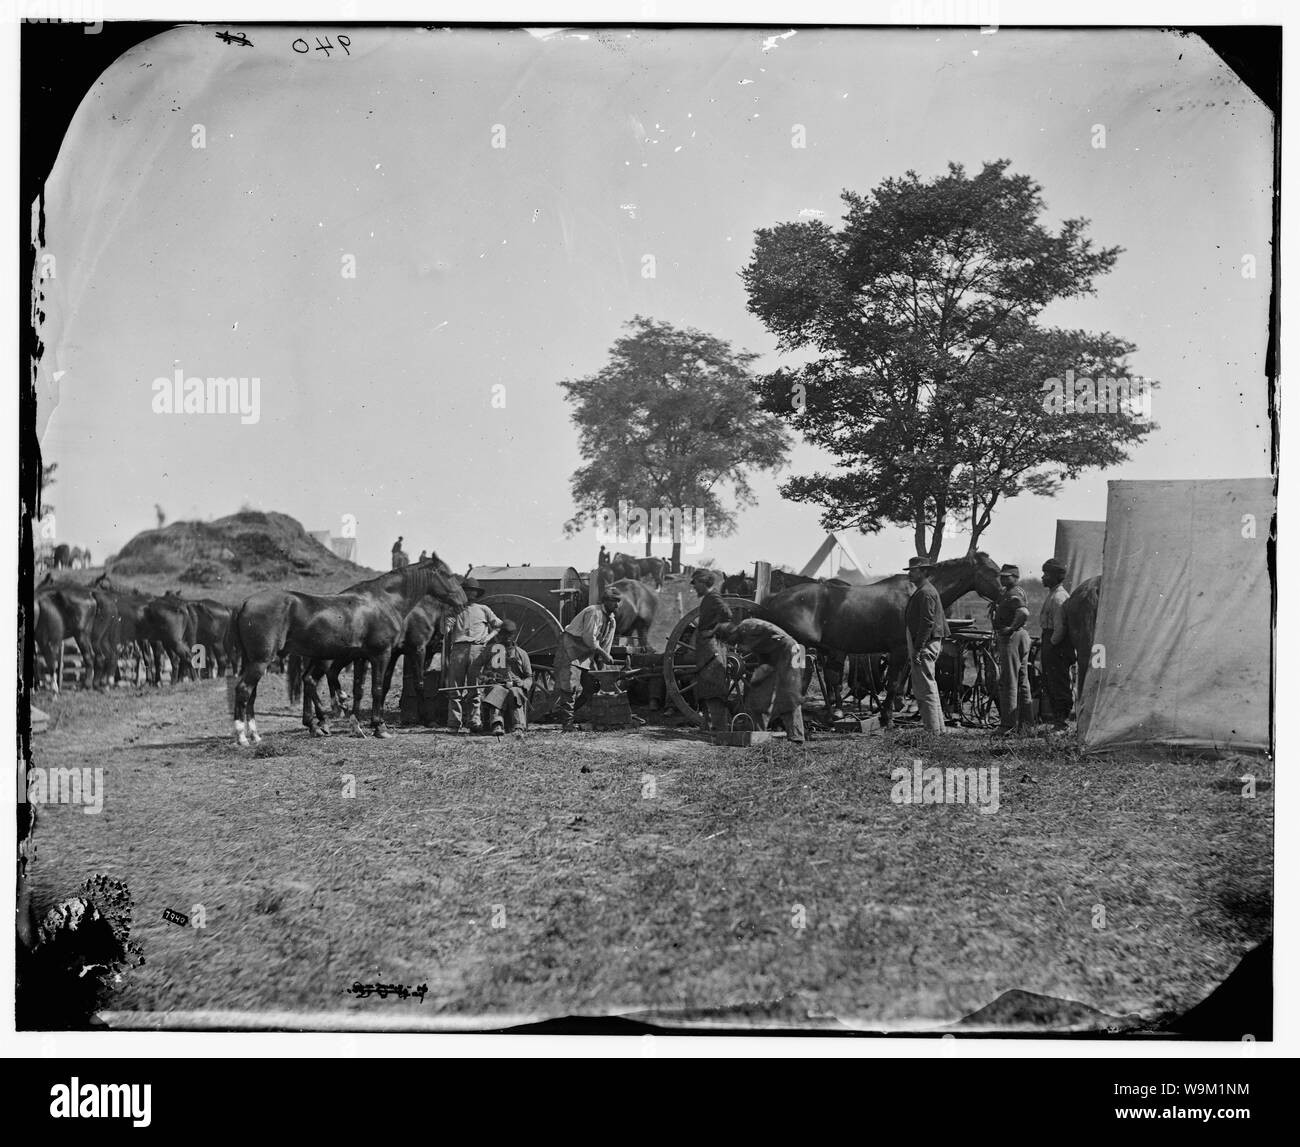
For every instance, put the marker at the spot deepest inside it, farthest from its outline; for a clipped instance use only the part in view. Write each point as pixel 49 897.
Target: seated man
pixel 775 690
pixel 510 672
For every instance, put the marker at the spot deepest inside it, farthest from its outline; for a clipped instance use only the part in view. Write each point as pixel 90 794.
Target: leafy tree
pixel 670 422
pixel 927 360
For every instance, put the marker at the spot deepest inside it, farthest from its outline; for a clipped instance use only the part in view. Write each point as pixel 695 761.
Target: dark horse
pixel 636 612
pixel 839 618
pixel 362 624
pixel 1080 611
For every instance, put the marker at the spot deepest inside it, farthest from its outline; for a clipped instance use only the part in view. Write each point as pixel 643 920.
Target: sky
pixel 479 267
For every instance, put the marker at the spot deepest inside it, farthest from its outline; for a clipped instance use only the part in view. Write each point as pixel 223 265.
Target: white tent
pixel 1182 652
pixel 833 555
pixel 1078 545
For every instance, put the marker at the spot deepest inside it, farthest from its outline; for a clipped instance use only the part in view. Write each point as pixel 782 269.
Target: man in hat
pixel 399 558
pixel 1010 616
pixel 1057 649
pixel 470 631
pixel 710 657
pixel 775 690
pixel 584 644
pixel 926 629
pixel 511 673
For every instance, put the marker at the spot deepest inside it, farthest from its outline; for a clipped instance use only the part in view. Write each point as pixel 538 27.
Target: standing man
pixel 775 690
pixel 926 628
pixel 1057 649
pixel 584 644
pixel 508 667
pixel 1010 616
pixel 471 629
pixel 710 657
pixel 399 558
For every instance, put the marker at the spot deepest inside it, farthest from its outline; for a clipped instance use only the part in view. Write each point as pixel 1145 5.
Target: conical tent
pixel 833 555
pixel 1183 649
pixel 1078 545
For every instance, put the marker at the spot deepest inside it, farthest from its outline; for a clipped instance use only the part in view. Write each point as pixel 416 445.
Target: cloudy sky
pixel 479 267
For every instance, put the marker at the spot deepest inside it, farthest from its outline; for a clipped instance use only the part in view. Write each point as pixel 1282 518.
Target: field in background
pixel 647 873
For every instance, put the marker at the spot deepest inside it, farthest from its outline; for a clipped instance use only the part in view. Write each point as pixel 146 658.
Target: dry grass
pixel 541 877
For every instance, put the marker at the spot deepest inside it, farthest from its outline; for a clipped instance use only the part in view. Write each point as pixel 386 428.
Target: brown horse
pixel 838 618
pixel 77 611
pixel 362 624
pixel 123 615
pixel 636 612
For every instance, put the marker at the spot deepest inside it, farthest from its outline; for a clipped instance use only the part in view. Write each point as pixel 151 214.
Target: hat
pixel 919 564
pixel 509 627
pixel 702 575
pixel 1010 569
pixel 469 585
pixel 1054 565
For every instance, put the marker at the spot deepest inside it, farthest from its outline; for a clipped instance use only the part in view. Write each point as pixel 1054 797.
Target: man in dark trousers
pixel 1057 649
pixel 926 628
pixel 511 673
pixel 585 644
pixel 775 693
pixel 1010 616
pixel 710 656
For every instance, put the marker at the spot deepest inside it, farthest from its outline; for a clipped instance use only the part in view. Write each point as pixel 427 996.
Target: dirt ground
pixel 647 873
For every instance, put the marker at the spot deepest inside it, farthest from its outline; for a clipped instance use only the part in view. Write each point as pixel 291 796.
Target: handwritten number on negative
pixel 327 47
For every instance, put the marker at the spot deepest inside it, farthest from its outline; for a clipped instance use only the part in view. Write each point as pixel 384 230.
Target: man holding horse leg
pixel 926 629
pixel 1010 616
pixel 471 630
pixel 584 644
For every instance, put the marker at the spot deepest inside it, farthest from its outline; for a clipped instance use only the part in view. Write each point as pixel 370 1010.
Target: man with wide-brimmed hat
pixel 585 644
pixel 470 631
pixel 1056 649
pixel 710 656
pixel 926 629
pixel 1010 616
pixel 510 672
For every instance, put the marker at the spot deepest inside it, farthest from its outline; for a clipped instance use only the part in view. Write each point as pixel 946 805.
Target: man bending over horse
pixel 775 690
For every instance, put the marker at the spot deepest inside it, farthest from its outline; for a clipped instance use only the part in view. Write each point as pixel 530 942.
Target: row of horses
pixel 103 620
pixel 64 557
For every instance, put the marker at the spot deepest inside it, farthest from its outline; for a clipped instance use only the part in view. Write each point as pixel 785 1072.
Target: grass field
pixel 644 873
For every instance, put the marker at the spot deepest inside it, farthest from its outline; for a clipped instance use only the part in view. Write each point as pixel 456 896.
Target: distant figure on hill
pixel 161 513
pixel 399 557
pixel 424 555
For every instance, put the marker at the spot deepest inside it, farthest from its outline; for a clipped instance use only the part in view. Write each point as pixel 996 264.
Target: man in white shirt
pixel 471 630
pixel 584 644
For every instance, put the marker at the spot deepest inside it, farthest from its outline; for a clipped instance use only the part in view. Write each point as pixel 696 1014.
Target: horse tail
pixel 234 643
pixel 293 671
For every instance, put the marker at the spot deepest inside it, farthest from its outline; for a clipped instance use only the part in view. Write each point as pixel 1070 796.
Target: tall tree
pixel 929 369
pixel 669 424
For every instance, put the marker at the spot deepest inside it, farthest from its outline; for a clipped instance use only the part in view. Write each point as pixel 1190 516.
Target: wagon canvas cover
pixel 1184 621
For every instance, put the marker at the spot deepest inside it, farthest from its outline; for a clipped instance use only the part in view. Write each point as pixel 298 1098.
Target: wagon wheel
pixel 539 637
pixel 679 661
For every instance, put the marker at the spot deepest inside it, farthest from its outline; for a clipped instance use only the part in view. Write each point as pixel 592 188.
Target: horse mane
pixel 413 579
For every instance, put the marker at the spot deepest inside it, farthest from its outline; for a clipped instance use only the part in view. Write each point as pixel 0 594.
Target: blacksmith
pixel 584 644
pixel 710 656
pixel 926 629
pixel 510 670
pixel 775 692
pixel 1010 616
pixel 471 630
pixel 1057 649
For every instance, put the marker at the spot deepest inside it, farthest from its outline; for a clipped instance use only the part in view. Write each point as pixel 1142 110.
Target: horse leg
pixel 88 662
pixel 313 713
pixel 245 692
pixel 338 702
pixel 898 669
pixel 379 668
pixel 358 689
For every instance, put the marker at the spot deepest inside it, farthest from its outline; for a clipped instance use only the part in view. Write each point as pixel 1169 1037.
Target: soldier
pixel 399 558
pixel 584 644
pixel 710 657
pixel 775 690
pixel 471 629
pixel 926 629
pixel 1057 650
pixel 1010 616
pixel 509 668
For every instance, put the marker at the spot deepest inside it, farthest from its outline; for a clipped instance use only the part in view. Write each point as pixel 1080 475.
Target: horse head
pixel 974 571
pixel 445 586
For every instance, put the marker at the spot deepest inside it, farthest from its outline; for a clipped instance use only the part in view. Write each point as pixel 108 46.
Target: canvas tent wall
pixel 832 556
pixel 1184 621
pixel 1078 545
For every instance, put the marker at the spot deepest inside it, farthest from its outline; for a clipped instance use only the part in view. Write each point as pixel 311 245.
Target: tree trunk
pixel 676 559
pixel 649 543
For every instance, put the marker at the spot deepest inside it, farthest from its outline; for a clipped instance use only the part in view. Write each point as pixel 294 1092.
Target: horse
pixel 363 623
pixel 170 626
pixel 838 618
pixel 623 566
pixel 62 556
pixel 77 610
pixel 127 606
pixel 209 621
pixel 652 568
pixel 47 633
pixel 636 612
pixel 1080 612
pixel 738 585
